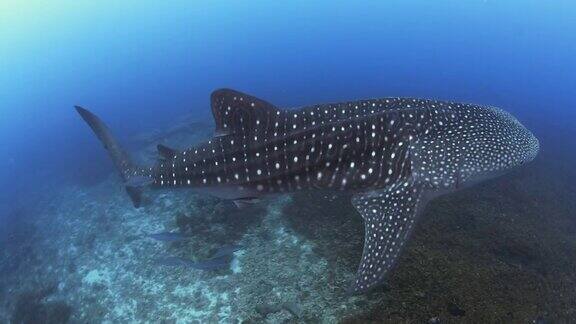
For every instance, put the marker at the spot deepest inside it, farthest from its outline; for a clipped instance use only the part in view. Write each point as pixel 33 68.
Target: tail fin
pixel 121 160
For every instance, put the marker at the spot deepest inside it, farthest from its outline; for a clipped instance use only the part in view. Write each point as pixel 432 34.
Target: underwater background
pixel 73 249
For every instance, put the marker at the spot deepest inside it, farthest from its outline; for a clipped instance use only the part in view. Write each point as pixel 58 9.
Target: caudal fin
pixel 120 158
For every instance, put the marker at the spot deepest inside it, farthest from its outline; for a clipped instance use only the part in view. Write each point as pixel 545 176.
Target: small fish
pixel 206 265
pixel 168 236
pixel 173 262
pixel 292 307
pixel 213 263
pixel 226 250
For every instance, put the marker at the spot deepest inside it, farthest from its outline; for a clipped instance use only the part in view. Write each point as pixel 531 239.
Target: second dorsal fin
pixel 238 113
pixel 166 152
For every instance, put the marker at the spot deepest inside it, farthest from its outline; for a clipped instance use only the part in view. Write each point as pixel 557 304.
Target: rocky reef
pixel 34 307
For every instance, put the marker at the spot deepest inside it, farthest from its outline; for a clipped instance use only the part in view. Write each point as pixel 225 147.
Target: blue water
pixel 143 64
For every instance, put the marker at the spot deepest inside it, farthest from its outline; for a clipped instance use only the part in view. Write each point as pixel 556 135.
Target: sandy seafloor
pixel 503 251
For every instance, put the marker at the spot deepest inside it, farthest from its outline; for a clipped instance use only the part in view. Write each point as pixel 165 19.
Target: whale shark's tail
pixel 129 172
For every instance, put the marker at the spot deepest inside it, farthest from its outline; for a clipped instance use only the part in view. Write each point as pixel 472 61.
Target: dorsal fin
pixel 166 152
pixel 238 113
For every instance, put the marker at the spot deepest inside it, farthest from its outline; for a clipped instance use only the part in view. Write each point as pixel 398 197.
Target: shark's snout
pixel 533 148
pixel 528 144
pixel 517 141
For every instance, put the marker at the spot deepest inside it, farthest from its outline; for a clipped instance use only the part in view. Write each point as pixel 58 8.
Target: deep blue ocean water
pixel 141 65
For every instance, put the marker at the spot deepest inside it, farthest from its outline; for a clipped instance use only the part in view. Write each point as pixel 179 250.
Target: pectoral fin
pixel 389 216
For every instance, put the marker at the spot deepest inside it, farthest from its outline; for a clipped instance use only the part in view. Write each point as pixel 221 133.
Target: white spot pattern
pixel 388 218
pixel 364 145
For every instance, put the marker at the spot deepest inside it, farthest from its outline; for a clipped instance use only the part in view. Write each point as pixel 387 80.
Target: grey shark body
pixel 393 154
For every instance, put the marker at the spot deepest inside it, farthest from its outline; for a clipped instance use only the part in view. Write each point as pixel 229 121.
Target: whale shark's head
pixel 499 144
pixel 478 143
pixel 513 144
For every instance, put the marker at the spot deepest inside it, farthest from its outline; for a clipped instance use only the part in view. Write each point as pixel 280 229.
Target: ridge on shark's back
pixel 393 154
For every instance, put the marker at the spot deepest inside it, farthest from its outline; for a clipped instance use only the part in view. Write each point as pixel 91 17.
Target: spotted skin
pixel 389 217
pixel 393 154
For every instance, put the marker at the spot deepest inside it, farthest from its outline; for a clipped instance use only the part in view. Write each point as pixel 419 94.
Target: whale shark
pixel 392 154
